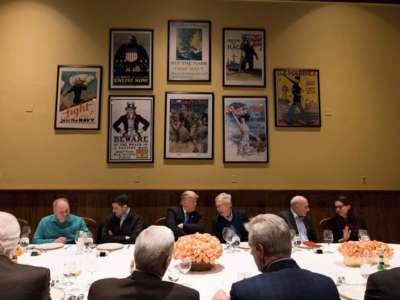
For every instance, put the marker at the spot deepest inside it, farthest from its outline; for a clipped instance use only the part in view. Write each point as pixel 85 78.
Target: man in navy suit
pixel 227 217
pixel 383 285
pixel 184 219
pixel 281 277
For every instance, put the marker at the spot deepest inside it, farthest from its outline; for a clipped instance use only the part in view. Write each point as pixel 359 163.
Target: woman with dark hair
pixel 345 224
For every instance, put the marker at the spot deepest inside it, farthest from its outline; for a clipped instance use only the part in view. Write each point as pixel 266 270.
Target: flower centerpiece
pixel 202 249
pixel 354 253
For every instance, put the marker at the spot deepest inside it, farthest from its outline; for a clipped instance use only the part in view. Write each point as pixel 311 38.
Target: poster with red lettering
pixel 78 98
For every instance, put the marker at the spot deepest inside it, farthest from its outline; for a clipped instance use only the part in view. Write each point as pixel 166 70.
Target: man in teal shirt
pixel 59 227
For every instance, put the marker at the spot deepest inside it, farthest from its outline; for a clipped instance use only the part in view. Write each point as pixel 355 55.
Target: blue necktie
pixel 186 220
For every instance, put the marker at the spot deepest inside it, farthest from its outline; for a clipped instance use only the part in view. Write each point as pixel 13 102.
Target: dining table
pixel 234 265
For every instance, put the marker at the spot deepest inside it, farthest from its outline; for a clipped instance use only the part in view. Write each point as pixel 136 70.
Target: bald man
pixel 296 218
pixel 184 219
pixel 61 226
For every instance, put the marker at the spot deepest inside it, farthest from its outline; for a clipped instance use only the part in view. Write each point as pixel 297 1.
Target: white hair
pixel 189 194
pixel 272 233
pixel 9 233
pixel 226 198
pixel 296 200
pixel 153 249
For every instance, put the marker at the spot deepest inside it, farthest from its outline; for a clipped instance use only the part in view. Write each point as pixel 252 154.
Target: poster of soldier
pixel 131 59
pixel 189 127
pixel 130 129
pixel 78 99
pixel 245 129
pixel 244 57
pixel 297 98
pixel 189 51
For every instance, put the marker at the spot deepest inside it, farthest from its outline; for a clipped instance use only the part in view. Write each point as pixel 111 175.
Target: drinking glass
pixel 227 235
pixel 24 239
pixel 296 241
pixel 173 272
pixel 363 235
pixel 365 268
pixel 88 243
pixel 235 243
pixel 184 265
pixel 328 238
pixel 80 236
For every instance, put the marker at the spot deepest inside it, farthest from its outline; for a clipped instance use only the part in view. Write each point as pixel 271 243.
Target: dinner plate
pixel 244 245
pixel 110 246
pixel 56 294
pixel 351 291
pixel 49 246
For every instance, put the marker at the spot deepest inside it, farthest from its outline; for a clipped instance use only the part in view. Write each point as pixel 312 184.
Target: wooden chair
pixel 92 225
pixel 160 221
pixel 322 223
pixel 22 223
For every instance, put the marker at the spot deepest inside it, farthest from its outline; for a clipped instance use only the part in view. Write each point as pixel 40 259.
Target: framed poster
pixel 245 131
pixel 189 127
pixel 243 57
pixel 130 129
pixel 131 59
pixel 297 98
pixel 78 99
pixel 189 51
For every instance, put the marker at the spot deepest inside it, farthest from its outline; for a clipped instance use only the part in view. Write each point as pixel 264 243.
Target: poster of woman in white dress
pixel 245 129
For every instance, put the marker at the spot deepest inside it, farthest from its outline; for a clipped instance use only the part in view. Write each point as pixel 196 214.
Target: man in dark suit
pixel 296 218
pixel 383 285
pixel 17 281
pixel 123 226
pixel 153 251
pixel 227 217
pixel 281 277
pixel 184 219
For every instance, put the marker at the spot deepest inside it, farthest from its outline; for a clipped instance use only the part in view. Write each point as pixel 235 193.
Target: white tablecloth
pixel 230 268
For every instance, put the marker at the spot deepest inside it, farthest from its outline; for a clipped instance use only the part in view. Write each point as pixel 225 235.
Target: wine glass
pixel 296 241
pixel 365 268
pixel 79 240
pixel 88 243
pixel 24 239
pixel 328 238
pixel 173 273
pixel 363 235
pixel 227 235
pixel 71 270
pixel 184 265
pixel 235 242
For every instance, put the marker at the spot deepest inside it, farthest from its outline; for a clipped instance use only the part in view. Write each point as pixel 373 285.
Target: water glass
pixel 328 238
pixel 184 265
pixel 363 235
pixel 227 235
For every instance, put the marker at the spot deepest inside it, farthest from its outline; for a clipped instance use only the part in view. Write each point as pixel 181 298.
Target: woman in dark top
pixel 345 224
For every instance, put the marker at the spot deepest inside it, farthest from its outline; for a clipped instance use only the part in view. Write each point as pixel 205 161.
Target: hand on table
pixel 61 239
pixel 180 226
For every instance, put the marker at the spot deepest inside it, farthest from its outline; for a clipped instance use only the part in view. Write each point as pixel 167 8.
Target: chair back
pixel 92 225
pixel 160 221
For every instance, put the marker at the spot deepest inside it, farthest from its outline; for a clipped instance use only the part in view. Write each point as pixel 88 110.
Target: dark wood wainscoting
pixel 380 209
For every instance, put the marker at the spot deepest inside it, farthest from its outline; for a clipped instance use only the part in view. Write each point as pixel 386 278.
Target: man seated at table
pixel 281 277
pixel 184 219
pixel 61 226
pixel 296 218
pixel 383 285
pixel 152 255
pixel 227 217
pixel 123 226
pixel 17 281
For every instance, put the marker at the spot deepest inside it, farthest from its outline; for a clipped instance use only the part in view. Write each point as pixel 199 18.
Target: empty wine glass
pixel 24 239
pixel 227 235
pixel 173 272
pixel 80 237
pixel 235 242
pixel 184 265
pixel 88 242
pixel 328 238
pixel 363 235
pixel 365 268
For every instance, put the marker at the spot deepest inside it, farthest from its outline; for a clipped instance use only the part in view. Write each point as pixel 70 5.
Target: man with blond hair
pixel 296 218
pixel 17 281
pixel 153 252
pixel 61 226
pixel 228 218
pixel 184 219
pixel 281 277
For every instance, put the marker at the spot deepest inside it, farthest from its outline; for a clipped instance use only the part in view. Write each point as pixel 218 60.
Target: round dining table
pixel 232 266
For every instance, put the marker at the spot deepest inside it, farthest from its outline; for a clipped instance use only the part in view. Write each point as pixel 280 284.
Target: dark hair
pixel 121 200
pixel 350 215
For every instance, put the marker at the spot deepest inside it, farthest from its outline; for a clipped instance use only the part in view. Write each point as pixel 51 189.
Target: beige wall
pixel 356 48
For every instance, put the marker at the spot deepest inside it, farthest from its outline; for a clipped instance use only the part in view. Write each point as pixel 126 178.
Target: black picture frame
pixel 307 91
pixel 181 65
pixel 78 97
pixel 131 52
pixel 129 143
pixel 245 129
pixel 189 125
pixel 237 70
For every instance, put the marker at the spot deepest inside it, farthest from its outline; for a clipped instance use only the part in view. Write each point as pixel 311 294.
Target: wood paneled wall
pixel 380 209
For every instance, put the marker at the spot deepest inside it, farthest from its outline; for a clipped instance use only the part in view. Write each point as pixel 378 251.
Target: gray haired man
pixel 153 251
pixel 281 277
